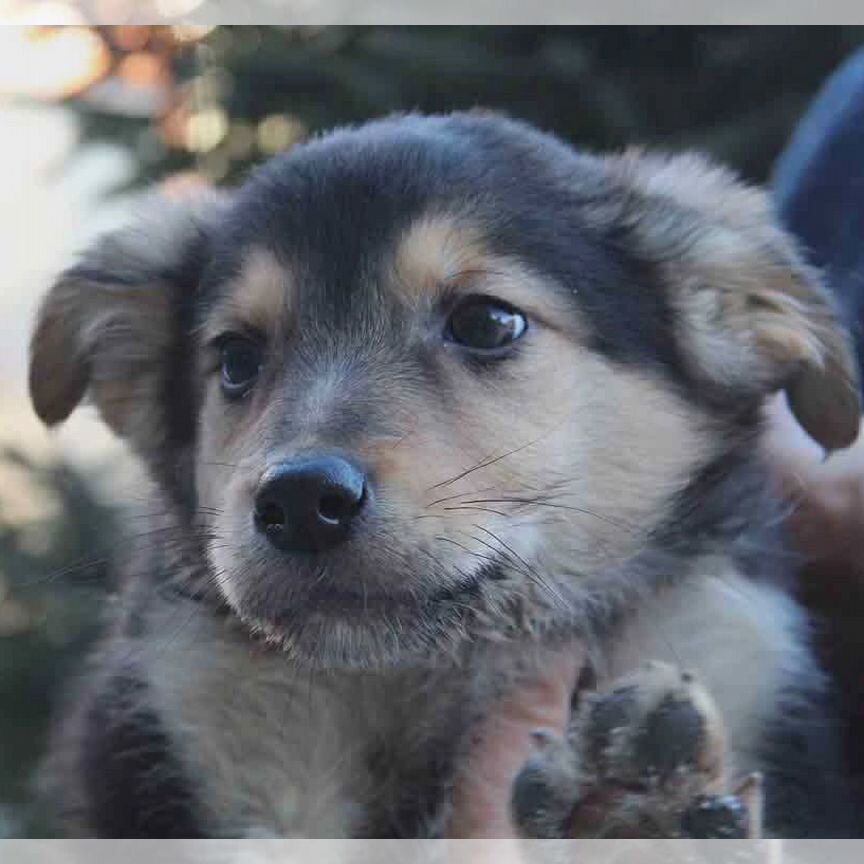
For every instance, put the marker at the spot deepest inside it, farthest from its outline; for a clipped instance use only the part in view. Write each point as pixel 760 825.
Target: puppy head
pixel 441 376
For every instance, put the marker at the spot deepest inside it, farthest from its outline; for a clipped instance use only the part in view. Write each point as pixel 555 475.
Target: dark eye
pixel 241 363
pixel 485 325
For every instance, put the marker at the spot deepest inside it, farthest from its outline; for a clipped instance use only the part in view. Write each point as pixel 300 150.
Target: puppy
pixel 423 399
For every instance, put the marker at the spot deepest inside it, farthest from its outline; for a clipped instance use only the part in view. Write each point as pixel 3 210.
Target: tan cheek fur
pixel 599 450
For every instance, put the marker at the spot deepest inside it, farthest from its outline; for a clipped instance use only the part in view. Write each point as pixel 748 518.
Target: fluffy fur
pixel 601 482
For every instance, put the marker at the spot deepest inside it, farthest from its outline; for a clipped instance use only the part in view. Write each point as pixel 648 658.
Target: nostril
pixel 271 516
pixel 332 508
pixel 336 507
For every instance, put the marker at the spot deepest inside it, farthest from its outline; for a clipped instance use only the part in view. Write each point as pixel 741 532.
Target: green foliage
pixel 52 588
pixel 732 91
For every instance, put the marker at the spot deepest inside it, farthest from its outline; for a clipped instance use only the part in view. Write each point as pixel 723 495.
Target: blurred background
pixel 90 115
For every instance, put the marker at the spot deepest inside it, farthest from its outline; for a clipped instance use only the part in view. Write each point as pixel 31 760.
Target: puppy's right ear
pixel 751 317
pixel 110 325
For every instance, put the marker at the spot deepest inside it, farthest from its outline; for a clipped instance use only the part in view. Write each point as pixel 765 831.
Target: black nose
pixel 307 504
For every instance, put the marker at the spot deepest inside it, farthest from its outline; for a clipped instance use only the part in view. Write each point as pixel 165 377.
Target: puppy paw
pixel 643 759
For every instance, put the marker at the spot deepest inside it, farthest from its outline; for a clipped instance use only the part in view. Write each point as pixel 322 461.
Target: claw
pixel 752 794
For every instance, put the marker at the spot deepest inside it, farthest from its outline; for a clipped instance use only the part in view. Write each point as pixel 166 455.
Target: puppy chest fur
pixel 426 397
pixel 271 750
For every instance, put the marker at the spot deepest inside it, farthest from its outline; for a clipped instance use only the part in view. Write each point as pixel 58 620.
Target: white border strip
pixel 322 12
pixel 431 851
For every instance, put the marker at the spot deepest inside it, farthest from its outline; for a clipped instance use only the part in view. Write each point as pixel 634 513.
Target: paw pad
pixel 642 759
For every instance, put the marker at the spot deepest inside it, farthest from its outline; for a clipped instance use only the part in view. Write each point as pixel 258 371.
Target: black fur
pixel 134 783
pixel 807 788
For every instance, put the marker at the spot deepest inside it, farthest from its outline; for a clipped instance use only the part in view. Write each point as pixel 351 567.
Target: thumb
pixel 502 744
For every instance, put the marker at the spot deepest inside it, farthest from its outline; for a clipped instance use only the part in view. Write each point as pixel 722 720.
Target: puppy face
pixel 441 376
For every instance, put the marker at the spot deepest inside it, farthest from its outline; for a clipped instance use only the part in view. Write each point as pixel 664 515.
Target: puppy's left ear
pixel 112 327
pixel 751 316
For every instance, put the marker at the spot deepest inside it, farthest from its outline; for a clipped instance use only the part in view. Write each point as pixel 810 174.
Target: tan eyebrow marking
pixel 259 297
pixel 440 252
pixel 434 251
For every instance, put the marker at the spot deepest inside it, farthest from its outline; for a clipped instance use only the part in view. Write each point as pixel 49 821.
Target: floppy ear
pixel 751 317
pixel 112 326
